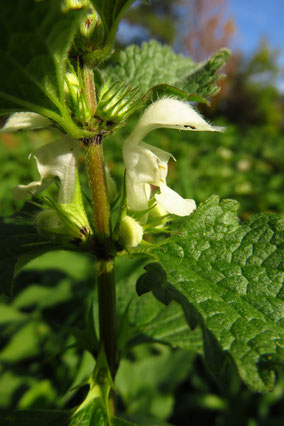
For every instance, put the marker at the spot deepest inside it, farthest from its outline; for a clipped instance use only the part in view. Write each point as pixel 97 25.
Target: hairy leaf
pixel 158 70
pixel 34 41
pixel 229 279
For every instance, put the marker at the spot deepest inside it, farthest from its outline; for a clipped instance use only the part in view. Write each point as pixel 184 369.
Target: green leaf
pixel 169 326
pixel 111 11
pixel 121 422
pixel 9 314
pixel 35 38
pixel 229 279
pixel 20 242
pixel 156 69
pixel 147 380
pixel 146 319
pixel 25 343
pixel 92 414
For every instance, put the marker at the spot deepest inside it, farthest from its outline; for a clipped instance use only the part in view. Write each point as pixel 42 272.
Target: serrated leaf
pixel 229 278
pixel 158 70
pixel 20 243
pixel 34 41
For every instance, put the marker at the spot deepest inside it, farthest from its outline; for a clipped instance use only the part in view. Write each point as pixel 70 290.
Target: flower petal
pixel 138 193
pixel 174 203
pixel 57 159
pixel 173 114
pixel 25 121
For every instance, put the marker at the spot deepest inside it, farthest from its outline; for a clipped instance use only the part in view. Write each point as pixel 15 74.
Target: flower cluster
pixel 146 168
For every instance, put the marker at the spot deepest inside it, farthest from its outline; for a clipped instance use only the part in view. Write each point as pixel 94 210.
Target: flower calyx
pixel 116 102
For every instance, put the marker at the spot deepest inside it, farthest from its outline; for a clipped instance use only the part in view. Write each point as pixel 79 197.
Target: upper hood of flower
pixel 25 121
pixel 173 114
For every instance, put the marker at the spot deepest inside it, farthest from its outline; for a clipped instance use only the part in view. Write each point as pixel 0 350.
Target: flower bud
pixel 75 4
pixel 91 34
pixel 130 232
pixel 71 84
pixel 158 215
pixel 75 98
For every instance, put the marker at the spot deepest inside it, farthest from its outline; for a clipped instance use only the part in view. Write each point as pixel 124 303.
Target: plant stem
pixel 103 241
pixel 107 310
pixel 98 188
pixel 90 89
pixel 106 281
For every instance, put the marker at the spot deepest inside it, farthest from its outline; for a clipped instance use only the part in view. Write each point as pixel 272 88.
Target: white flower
pixel 25 121
pixel 57 159
pixel 147 165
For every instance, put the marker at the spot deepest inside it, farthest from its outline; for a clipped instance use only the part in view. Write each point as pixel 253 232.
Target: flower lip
pixel 173 203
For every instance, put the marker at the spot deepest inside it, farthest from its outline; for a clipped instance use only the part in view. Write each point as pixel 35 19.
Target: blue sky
pixel 256 19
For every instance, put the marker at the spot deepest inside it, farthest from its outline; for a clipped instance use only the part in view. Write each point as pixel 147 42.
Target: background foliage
pixel 40 367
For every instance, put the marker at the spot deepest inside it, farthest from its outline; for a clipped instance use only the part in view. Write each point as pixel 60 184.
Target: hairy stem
pixel 106 281
pixel 89 89
pixel 103 241
pixel 98 188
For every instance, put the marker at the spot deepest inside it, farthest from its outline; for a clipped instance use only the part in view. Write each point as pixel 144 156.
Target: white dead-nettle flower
pixel 56 159
pixel 25 121
pixel 147 165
